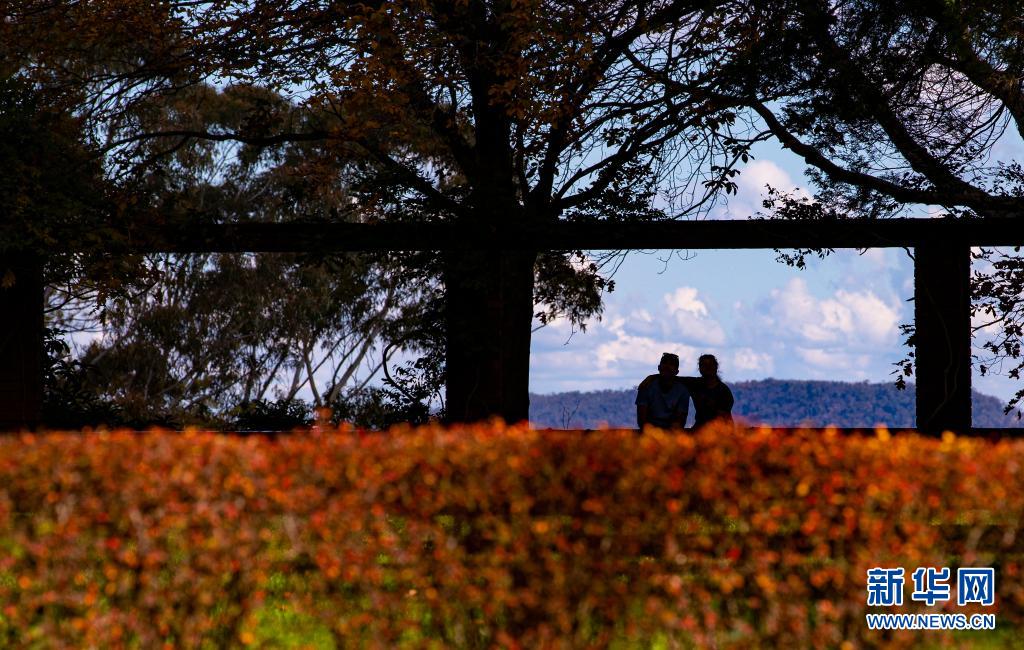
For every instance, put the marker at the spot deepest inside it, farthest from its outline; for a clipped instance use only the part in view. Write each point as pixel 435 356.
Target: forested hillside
pixel 778 402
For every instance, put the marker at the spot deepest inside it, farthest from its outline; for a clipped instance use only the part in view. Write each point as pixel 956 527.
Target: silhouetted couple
pixel 664 399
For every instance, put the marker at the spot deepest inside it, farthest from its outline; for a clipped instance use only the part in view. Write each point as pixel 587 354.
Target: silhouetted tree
pixel 479 113
pixel 894 106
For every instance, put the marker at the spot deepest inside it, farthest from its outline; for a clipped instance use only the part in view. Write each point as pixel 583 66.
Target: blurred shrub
pixel 487 535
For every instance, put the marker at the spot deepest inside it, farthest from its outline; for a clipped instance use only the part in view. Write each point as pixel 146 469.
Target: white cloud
pixel 750 361
pixel 639 351
pixel 839 322
pixel 827 358
pixel 579 364
pixel 627 347
pixel 618 352
pixel 643 323
pixel 984 326
pixel 759 173
pixel 879 258
pixel 828 362
pixel 794 332
pixel 555 335
pixel 751 188
pixel 855 318
pixel 691 319
pixel 685 299
pixel 869 315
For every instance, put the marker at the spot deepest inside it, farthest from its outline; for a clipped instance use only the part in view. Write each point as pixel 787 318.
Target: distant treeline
pixel 780 402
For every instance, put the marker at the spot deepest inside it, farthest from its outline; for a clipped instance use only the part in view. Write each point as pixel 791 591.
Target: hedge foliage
pixel 491 536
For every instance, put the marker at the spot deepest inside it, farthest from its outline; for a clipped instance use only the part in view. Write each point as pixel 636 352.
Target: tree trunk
pixel 21 342
pixel 489 314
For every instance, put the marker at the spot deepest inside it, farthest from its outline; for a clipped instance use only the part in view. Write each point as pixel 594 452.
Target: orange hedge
pixel 490 535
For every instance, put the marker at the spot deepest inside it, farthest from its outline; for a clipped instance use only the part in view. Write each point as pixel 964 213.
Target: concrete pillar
pixel 21 341
pixel 942 315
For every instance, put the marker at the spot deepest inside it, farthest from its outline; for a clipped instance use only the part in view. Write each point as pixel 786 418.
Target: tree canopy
pixel 480 112
pixel 900 106
pixel 509 112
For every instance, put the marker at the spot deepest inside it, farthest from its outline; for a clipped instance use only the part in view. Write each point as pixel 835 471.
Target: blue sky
pixel 838 319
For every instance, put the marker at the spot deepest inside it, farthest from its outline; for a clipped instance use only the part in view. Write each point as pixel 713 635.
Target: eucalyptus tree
pixel 207 334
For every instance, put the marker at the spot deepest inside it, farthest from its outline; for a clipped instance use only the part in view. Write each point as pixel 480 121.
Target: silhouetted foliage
pixel 496 113
pixel 267 415
pixel 483 114
pixel 897 105
pixel 70 400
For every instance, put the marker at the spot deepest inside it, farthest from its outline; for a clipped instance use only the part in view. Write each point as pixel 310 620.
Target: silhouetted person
pixel 712 399
pixel 661 400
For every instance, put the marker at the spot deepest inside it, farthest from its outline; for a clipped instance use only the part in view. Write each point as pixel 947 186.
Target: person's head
pixel 669 366
pixel 707 364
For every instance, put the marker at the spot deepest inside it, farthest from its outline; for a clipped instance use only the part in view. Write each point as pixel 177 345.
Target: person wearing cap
pixel 661 400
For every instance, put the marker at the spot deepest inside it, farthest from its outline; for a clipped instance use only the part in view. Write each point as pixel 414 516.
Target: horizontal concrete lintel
pixel 562 235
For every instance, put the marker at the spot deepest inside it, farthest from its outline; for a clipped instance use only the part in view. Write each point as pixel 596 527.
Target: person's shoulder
pixel 689 383
pixel 647 381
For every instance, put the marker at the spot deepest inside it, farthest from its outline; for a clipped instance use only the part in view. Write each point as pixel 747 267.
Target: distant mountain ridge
pixel 779 402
